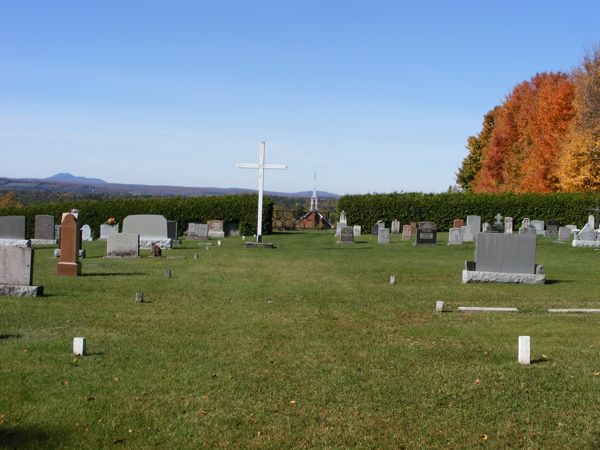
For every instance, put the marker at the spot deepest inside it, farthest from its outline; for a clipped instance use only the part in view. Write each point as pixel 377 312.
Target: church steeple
pixel 314 200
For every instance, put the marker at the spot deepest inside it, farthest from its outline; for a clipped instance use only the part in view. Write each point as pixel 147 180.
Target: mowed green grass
pixel 305 345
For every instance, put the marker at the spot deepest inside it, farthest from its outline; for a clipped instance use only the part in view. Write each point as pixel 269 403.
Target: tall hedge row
pixel 366 210
pixel 230 208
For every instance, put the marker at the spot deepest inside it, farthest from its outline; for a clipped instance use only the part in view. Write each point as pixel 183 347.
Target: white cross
pixel 261 166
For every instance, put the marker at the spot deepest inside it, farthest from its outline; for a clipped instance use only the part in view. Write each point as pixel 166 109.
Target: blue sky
pixel 373 96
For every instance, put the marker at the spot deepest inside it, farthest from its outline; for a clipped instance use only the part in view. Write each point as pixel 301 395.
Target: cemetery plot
pixel 310 345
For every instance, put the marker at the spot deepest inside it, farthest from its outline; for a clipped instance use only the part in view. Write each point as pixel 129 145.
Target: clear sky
pixel 373 96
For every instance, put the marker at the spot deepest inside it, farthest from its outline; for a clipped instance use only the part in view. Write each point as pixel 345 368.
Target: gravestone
pixel 16 272
pixel 375 230
pixel 406 233
pixel 12 227
pixel 474 224
pixel 86 233
pixel 343 217
pixel 123 245
pixel 395 227
pixel 356 230
pixel 486 227
pixel 426 233
pixel 156 250
pixel 69 264
pixel 526 228
pixel 504 258
pixel 231 229
pixel 539 227
pixel 587 233
pixel 152 228
pixel 346 236
pixel 458 223
pixel 44 227
pixel 455 236
pixel 592 221
pixel 341 223
pixel 564 234
pixel 508 225
pixel 107 230
pixel 466 234
pixel 215 229
pixel 172 229
pixel 552 228
pixel 57 233
pixel 197 231
pixel 498 225
pixel 383 236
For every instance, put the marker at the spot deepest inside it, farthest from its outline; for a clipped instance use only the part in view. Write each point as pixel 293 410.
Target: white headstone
pixel 86 233
pixel 455 236
pixel 524 350
pixel 474 224
pixel 79 346
pixel 591 221
pixel 508 225
pixel 439 305
pixel 539 226
pixel 357 230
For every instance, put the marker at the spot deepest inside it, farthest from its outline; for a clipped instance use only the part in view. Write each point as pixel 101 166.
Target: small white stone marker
pixel 243 238
pixel 576 310
pixel 79 346
pixel 392 279
pixel 195 255
pixel 524 350
pixel 139 297
pixel 439 305
pixel 485 309
pixel 219 243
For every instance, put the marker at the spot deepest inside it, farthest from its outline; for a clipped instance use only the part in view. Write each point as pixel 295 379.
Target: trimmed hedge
pixel 230 208
pixel 366 210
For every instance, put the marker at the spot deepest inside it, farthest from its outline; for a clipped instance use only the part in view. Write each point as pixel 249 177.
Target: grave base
pixel 259 245
pixel 471 309
pixel 43 241
pixel 476 276
pixel 345 242
pixel 162 243
pixel 23 243
pixel 575 311
pixel 584 243
pixel 68 269
pixel 21 291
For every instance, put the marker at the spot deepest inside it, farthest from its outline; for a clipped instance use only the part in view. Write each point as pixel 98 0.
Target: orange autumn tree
pixel 530 128
pixel 580 165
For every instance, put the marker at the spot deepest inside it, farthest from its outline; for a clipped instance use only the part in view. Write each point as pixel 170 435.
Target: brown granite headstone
pixel 413 226
pixel 69 264
pixel 156 251
pixel 458 223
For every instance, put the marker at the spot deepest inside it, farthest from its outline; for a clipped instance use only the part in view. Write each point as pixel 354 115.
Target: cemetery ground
pixel 305 345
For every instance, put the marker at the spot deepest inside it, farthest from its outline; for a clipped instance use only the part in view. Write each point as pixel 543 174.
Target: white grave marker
pixel 79 346
pixel 524 350
pixel 261 166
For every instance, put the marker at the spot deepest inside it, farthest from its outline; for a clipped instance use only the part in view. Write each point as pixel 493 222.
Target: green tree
pixel 471 164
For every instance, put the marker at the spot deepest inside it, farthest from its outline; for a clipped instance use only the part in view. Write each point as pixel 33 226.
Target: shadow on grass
pixel 558 281
pixel 111 274
pixel 30 437
pixel 10 336
pixel 541 360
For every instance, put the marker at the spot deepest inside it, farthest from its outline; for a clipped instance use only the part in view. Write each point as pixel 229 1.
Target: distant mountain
pixel 67 183
pixel 68 178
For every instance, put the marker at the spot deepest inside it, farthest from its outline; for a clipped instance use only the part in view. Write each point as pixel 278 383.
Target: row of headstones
pixel 12 228
pixel 426 232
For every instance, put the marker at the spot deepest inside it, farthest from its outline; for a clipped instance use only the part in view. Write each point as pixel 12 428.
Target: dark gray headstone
pixel 427 225
pixel 507 253
pixel 426 236
pixel 44 227
pixel 552 228
pixel 172 229
pixel 347 235
pixel 12 227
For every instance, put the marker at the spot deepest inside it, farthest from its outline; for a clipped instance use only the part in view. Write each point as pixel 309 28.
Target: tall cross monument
pixel 261 166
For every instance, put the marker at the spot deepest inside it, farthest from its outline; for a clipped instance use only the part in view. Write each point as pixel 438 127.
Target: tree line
pixel 544 137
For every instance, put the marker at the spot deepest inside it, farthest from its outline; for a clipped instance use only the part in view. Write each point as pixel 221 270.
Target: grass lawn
pixel 306 345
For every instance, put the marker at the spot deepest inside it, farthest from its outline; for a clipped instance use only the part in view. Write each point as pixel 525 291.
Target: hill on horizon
pixel 68 183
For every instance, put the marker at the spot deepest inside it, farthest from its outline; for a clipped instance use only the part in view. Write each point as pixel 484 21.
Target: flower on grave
pixel 111 221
